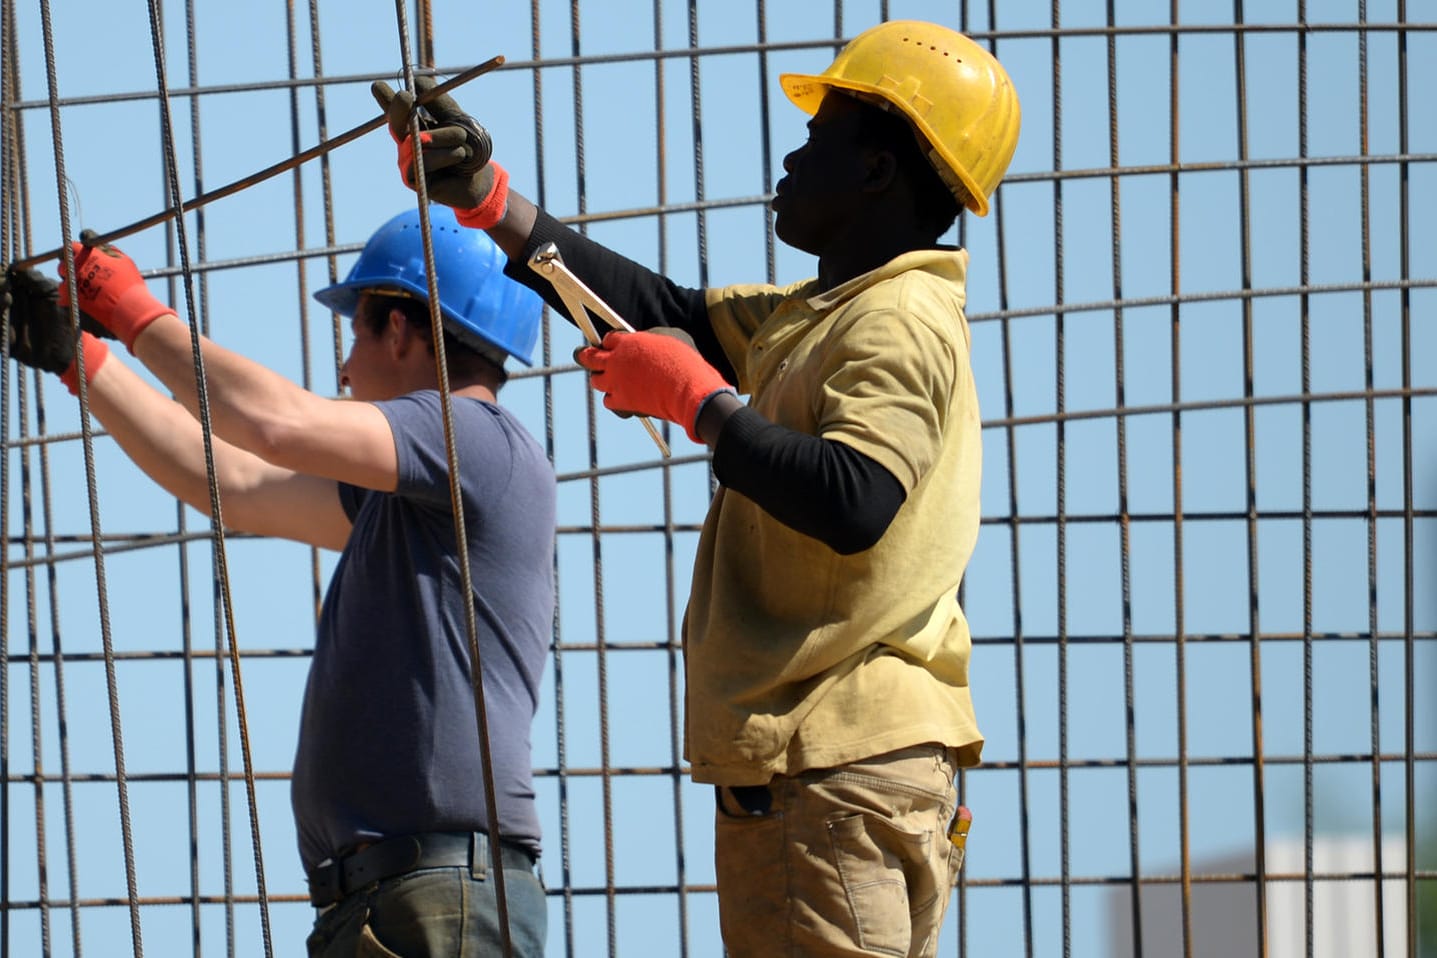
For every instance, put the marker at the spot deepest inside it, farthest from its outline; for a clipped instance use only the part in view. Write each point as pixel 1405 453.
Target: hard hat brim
pixel 481 306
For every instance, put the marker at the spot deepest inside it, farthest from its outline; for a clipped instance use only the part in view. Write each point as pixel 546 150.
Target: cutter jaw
pixel 580 301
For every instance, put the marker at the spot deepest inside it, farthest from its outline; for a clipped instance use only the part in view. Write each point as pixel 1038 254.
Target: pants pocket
pixel 336 932
pixel 875 863
pixel 369 946
pixel 752 883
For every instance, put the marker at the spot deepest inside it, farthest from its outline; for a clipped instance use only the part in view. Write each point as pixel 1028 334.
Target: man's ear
pixel 881 170
pixel 397 334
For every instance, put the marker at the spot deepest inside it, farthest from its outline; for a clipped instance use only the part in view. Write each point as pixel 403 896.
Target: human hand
pixel 38 329
pixel 652 374
pixel 457 150
pixel 111 290
pixel 671 331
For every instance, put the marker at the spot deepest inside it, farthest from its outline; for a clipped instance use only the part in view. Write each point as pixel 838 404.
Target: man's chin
pixel 786 236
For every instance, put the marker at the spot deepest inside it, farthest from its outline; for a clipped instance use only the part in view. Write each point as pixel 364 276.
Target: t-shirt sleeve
pixel 417 422
pixel 889 404
pixel 351 498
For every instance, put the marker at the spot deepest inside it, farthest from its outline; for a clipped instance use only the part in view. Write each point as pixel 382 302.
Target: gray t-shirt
pixel 388 740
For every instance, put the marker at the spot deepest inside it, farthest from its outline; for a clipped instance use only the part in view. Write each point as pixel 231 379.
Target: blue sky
pixel 642 144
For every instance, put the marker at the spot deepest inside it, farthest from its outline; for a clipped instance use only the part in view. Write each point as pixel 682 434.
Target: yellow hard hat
pixel 953 91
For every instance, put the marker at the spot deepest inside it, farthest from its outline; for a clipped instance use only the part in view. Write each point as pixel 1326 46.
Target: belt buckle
pixel 324 885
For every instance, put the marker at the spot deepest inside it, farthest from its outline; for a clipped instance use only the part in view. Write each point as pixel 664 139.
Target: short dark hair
pixel 934 204
pixel 459 356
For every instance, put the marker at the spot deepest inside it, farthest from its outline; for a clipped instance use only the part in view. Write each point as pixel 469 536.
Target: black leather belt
pixel 391 857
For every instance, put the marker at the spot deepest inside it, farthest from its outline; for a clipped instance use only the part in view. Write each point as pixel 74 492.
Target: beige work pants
pixel 845 861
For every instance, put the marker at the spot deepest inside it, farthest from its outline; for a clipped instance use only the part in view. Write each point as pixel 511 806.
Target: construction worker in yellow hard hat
pixel 959 99
pixel 826 654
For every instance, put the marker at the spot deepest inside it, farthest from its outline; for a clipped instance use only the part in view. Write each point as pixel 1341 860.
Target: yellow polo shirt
pixel 797 657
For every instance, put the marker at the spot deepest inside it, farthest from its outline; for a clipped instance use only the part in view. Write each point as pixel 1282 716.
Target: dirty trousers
pixel 844 861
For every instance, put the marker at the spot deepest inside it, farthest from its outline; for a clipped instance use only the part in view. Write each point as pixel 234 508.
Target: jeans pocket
pixel 870 856
pixel 336 930
pixel 369 946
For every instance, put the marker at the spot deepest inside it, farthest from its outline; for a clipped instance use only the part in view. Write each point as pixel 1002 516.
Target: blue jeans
pixel 435 912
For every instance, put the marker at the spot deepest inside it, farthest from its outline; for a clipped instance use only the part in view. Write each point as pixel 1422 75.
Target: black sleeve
pixel 820 487
pixel 637 293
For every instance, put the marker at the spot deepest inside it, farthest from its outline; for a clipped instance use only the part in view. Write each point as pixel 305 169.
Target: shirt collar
pixel 949 263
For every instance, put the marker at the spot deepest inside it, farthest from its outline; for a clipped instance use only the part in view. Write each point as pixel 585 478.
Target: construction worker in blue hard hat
pixel 388 791
pixel 826 655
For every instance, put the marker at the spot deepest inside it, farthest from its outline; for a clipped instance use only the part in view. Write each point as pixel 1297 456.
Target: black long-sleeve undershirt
pixel 819 487
pixel 637 293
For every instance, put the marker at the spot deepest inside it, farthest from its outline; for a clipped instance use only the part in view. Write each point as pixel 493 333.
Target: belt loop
pixel 478 856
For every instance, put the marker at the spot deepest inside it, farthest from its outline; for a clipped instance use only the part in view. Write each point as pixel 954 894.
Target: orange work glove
pixel 112 290
pixel 96 352
pixel 457 167
pixel 653 375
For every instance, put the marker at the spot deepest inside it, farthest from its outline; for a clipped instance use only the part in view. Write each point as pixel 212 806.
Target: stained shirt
pixel 798 657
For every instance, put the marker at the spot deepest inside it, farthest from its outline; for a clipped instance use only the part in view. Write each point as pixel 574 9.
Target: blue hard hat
pixel 481 306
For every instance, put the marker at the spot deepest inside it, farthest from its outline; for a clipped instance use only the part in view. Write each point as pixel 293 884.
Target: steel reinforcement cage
pixel 1202 600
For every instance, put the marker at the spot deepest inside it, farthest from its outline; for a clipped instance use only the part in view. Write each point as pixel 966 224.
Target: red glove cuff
pixel 493 207
pixel 135 309
pixel 96 352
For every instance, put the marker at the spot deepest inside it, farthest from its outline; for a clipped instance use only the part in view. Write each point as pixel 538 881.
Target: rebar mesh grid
pixel 1203 596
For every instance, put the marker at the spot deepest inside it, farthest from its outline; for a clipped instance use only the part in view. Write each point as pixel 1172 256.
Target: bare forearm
pixel 162 438
pixel 249 405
